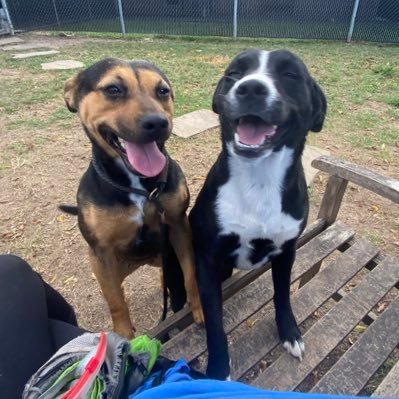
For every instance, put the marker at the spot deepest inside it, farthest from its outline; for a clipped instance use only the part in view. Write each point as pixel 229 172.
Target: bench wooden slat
pixel 352 371
pixel 329 331
pixel 384 186
pixel 239 280
pixel 191 342
pixel 262 338
pixel 389 388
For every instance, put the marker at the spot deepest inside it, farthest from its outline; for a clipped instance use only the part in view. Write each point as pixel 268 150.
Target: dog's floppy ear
pixel 216 96
pixel 70 93
pixel 319 107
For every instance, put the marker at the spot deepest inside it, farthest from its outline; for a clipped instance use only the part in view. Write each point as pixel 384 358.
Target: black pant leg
pixel 57 307
pixel 26 340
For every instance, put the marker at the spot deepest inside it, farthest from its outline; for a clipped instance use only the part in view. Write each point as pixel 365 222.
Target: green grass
pixel 60 118
pixel 393 100
pixel 360 80
pixel 330 30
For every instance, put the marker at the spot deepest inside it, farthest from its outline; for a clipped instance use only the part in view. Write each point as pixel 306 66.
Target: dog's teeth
pixel 239 144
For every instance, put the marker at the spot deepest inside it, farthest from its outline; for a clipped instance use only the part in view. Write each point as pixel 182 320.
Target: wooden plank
pixel 332 199
pixel 389 388
pixel 352 371
pixel 262 338
pixel 191 342
pixel 387 187
pixel 311 231
pixel 329 331
pixel 183 318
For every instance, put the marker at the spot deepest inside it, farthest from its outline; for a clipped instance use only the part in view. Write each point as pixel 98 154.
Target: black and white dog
pixel 254 203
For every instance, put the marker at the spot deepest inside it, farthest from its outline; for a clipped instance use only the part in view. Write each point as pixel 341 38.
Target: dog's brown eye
pixel 113 91
pixel 163 92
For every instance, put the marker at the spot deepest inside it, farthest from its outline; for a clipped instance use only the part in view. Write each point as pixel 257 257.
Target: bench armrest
pixel 386 187
pixel 343 171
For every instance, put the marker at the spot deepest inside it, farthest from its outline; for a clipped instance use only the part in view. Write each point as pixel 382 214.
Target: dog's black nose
pixel 154 125
pixel 252 88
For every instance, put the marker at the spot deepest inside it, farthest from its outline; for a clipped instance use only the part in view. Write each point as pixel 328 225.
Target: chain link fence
pixel 369 20
pixel 5 20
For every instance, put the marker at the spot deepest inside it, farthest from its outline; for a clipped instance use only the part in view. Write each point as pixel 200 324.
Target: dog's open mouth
pixel 145 158
pixel 253 133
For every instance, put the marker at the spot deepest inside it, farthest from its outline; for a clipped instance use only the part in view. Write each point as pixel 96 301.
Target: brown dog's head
pixel 126 109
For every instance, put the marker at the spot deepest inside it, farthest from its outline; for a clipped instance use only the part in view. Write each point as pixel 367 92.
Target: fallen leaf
pixel 359 329
pixel 315 376
pixel 60 218
pixel 374 208
pixel 381 307
pixel 250 323
pixel 263 365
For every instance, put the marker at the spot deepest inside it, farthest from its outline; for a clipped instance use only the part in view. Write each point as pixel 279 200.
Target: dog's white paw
pixel 228 378
pixel 297 349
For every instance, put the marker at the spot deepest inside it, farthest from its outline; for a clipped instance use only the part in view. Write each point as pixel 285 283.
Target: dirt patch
pixel 8 73
pixel 375 106
pixel 62 40
pixel 52 41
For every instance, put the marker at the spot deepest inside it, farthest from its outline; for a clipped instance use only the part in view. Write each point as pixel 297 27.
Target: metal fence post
pixel 56 13
pixel 121 18
pixel 235 12
pixel 352 25
pixel 10 25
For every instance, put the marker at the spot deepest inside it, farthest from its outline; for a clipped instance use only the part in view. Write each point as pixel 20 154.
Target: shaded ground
pixel 44 153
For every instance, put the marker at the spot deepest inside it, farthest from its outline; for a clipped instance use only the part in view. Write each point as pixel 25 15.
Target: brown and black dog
pixel 132 200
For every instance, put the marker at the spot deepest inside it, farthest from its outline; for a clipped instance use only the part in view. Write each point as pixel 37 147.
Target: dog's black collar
pixel 152 196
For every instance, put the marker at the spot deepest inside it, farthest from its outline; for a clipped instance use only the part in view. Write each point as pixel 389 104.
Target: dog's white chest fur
pixel 249 204
pixel 137 200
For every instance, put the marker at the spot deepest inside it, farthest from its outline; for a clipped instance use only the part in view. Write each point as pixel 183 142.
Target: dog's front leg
pixel 180 238
pixel 288 330
pixel 105 267
pixel 211 297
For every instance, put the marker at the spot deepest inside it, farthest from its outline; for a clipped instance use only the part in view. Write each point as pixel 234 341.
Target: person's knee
pixel 13 268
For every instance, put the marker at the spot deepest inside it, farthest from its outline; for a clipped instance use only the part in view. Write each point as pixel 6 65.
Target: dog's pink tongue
pixel 251 134
pixel 146 159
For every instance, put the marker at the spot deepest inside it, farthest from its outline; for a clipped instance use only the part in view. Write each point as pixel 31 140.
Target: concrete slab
pixel 62 64
pixel 309 154
pixel 34 54
pixel 195 122
pixel 23 47
pixel 10 40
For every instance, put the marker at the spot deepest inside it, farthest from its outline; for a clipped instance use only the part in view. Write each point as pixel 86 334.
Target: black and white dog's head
pixel 266 100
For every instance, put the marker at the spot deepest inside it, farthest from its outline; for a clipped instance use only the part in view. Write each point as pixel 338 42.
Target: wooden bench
pixel 337 280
